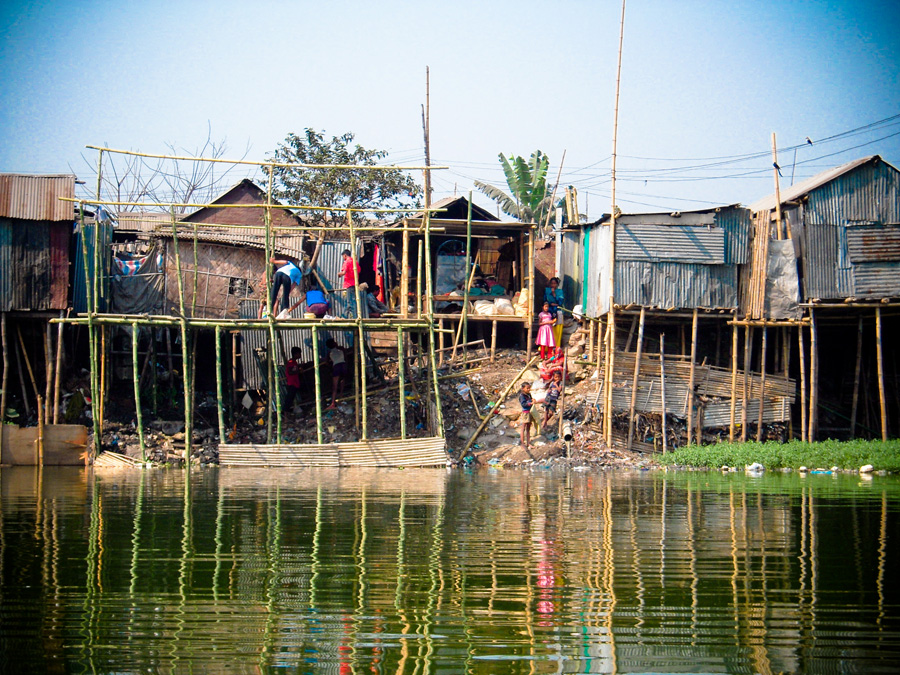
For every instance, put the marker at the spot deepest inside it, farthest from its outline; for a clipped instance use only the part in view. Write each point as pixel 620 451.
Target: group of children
pixel 554 389
pixel 338 374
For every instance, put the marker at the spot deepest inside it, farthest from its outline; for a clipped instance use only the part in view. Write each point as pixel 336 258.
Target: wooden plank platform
pixel 382 453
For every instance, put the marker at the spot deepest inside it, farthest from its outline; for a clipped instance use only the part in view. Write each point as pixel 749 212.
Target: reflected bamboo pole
pixel 735 569
pixel 318 376
pixel 636 568
pixel 273 558
pixel 136 536
pixel 89 607
pixel 399 587
pixel 186 558
pixel 609 572
pixel 315 557
pixel 882 559
pixel 137 391
pixel 662 533
pixel 220 518
pixel 695 579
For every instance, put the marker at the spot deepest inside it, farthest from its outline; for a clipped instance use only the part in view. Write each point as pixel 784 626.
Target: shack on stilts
pixel 419 444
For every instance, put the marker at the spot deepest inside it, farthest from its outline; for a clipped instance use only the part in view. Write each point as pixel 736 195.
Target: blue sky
pixel 700 80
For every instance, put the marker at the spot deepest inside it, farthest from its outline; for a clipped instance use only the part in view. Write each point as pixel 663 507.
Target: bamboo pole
pixel 611 358
pixel 27 363
pixel 494 340
pixel 879 352
pixel 40 435
pixel 318 378
pixel 662 385
pixel 496 405
pixel 188 396
pixel 734 358
pixel 139 415
pixel 778 227
pixel 635 379
pixel 429 281
pixel 465 316
pixel 401 384
pixel 92 336
pixel 103 389
pixel 419 274
pixel 786 369
pixel 813 377
pixel 804 432
pixel 56 384
pixel 531 300
pixel 762 386
pixel 220 399
pixel 748 335
pixel 361 393
pixel 691 376
pixel 48 372
pixel 196 276
pixel 562 401
pixel 21 372
pixel 854 408
pixel 5 381
pixel 440 342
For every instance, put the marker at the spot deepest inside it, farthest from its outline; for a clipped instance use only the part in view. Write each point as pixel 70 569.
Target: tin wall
pixel 36 197
pixel 669 285
pixel 34 269
pixel 103 243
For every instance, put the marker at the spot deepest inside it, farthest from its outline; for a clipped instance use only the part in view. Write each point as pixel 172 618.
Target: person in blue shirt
pixel 316 302
pixel 287 275
pixel 526 401
pixel 553 295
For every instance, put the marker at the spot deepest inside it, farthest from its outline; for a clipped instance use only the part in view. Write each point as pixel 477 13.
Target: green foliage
pixel 338 188
pixel 528 198
pixel 772 455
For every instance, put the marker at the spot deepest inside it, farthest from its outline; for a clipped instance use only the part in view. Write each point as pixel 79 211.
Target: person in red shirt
pixel 348 272
pixel 292 378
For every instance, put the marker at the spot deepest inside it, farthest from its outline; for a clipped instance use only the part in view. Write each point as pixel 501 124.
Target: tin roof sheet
pixel 36 197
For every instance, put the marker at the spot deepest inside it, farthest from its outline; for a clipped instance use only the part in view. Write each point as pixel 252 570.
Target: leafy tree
pixel 529 196
pixel 337 189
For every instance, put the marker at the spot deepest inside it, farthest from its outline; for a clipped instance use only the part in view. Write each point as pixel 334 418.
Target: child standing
pixel 292 378
pixel 553 391
pixel 526 402
pixel 338 371
pixel 545 339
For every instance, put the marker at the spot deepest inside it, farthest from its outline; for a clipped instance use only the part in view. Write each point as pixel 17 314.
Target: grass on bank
pixel 794 454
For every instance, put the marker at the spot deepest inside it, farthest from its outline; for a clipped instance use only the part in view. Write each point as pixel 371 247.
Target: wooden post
pixel 56 384
pixel 419 275
pixel 748 337
pixel 854 408
pixel 318 376
pixel 48 372
pixel 40 437
pixel 139 415
pixel 813 377
pixel 5 382
pixel 401 381
pixel 662 384
pixel 879 352
pixel 220 399
pixel 804 432
pixel 635 379
pixel 441 342
pixel 762 386
pixel 27 364
pixel 734 357
pixel 494 340
pixel 691 375
pixel 21 372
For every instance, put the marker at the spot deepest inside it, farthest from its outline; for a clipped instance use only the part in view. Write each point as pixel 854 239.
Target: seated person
pixel 376 307
pixel 316 302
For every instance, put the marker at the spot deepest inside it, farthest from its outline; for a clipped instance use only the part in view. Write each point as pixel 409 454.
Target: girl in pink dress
pixel 545 339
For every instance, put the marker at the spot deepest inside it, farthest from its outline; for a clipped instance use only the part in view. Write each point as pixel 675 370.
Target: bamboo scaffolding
pixel 634 385
pixel 879 353
pixel 137 392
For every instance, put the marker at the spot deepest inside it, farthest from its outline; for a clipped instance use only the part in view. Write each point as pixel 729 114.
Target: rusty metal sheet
pixel 874 243
pixel 670 243
pixel 25 270
pixel 826 266
pixel 876 280
pixel 36 197
pixel 670 285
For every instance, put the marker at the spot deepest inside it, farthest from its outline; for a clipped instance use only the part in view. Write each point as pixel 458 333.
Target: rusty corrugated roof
pixel 36 197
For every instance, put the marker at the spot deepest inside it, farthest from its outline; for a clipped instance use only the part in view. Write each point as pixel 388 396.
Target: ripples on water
pixel 425 571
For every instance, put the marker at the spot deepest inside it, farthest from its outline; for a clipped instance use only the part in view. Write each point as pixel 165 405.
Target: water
pixel 429 571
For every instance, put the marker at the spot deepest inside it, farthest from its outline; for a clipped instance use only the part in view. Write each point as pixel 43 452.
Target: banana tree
pixel 529 197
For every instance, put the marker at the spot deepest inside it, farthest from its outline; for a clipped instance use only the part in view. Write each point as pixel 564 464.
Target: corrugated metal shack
pixel 675 293
pixel 843 228
pixel 35 233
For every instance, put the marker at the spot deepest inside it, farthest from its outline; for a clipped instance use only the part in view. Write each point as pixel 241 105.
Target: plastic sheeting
pixel 782 283
pixel 138 286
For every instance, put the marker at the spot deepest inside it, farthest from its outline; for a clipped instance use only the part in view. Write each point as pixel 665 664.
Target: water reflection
pixel 427 571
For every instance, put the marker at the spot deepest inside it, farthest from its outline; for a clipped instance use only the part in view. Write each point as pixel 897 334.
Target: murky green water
pixel 427 571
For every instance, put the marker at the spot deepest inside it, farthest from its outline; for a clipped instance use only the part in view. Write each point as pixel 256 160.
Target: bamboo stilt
pixel 188 396
pixel 734 357
pixel 662 384
pixel 404 273
pixel 139 415
pixel 58 371
pixel 440 342
pixel 879 352
pixel 804 431
pixel 494 340
pixel 48 372
pixel 318 375
pixel 634 381
pixel 762 386
pixel 690 410
pixel 429 281
pixel 533 293
pixel 562 400
pixel 401 382
pixel 748 335
pixel 103 388
pixel 27 363
pixel 786 366
pixel 21 371
pixel 92 334
pixel 854 407
pixel 813 377
pixel 419 275
pixel 40 437
pixel 220 399
pixel 611 357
